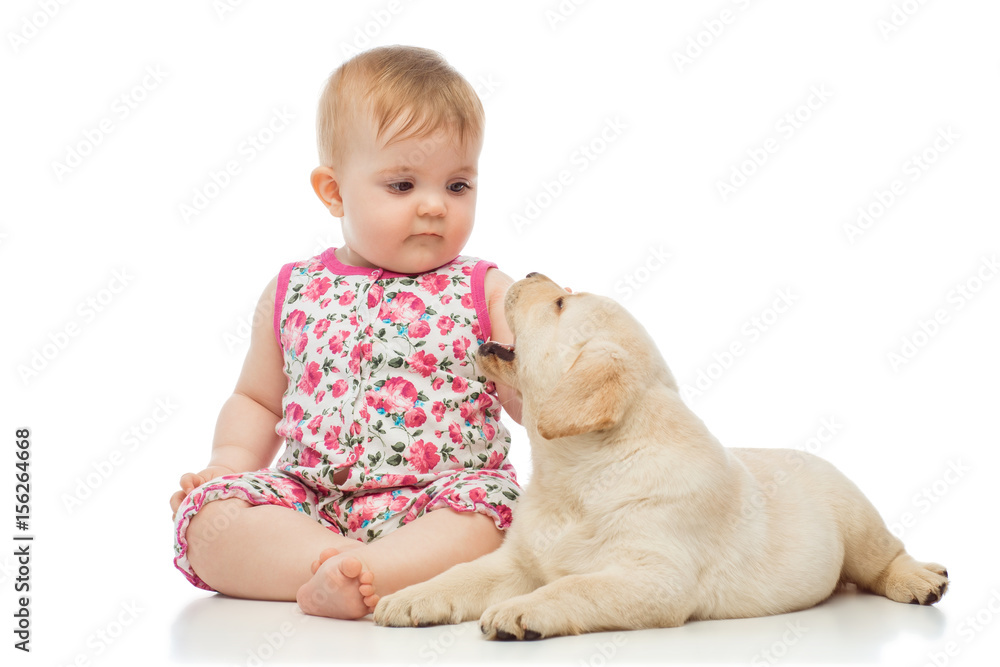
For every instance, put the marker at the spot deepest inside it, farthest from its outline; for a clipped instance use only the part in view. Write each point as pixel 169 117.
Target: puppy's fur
pixel 636 517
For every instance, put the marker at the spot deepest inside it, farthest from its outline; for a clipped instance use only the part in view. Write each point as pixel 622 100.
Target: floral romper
pixel 382 384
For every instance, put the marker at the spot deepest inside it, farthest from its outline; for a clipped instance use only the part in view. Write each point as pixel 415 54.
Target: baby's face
pixel 409 206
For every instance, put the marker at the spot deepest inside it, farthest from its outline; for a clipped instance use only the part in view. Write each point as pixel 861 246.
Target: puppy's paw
pixel 917 583
pixel 412 607
pixel 513 619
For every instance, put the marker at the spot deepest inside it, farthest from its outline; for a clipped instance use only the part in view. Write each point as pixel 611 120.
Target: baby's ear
pixel 590 396
pixel 327 188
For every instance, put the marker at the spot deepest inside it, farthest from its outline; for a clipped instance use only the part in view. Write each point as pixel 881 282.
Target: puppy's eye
pixel 559 303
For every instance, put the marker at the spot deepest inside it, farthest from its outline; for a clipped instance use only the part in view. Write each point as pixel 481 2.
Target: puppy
pixel 636 516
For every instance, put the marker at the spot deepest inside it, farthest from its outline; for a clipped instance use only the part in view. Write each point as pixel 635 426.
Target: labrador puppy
pixel 636 517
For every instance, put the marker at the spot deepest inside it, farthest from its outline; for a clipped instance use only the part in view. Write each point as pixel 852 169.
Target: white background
pixel 918 436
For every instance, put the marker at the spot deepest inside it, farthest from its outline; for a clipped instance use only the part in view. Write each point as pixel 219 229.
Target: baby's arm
pixel 244 433
pixel 496 283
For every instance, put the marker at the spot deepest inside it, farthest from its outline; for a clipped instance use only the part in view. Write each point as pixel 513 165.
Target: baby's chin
pixel 420 254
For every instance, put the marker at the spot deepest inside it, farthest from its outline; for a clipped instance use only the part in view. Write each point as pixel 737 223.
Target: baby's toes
pixel 324 555
pixel 366 586
pixel 350 567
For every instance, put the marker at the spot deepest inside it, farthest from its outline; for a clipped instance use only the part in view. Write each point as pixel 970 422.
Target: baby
pixel 395 461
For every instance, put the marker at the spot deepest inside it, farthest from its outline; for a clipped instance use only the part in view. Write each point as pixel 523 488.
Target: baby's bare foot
pixel 334 589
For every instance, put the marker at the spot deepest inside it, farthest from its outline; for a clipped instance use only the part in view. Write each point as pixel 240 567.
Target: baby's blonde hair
pixel 386 83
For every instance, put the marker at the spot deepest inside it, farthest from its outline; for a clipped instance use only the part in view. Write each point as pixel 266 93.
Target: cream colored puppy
pixel 636 516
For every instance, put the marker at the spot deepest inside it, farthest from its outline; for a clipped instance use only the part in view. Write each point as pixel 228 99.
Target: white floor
pixel 849 628
pixel 112 597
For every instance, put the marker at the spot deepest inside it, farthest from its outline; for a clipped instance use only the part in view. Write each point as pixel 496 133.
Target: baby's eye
pixel 459 187
pixel 402 186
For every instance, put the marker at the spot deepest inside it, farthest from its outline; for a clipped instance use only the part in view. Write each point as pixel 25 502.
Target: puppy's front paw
pixel 514 619
pixel 412 607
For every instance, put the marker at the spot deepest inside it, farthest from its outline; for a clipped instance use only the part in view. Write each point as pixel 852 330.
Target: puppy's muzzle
pixel 504 352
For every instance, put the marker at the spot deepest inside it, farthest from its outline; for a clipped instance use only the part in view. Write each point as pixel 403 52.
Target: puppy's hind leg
pixel 908 580
pixel 875 560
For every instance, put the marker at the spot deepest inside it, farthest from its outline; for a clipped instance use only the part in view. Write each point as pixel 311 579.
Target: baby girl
pixel 394 465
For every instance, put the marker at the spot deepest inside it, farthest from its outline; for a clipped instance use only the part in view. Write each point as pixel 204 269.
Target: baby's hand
pixel 191 481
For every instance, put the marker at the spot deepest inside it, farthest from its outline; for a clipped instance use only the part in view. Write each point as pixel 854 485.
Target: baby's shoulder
pixel 496 283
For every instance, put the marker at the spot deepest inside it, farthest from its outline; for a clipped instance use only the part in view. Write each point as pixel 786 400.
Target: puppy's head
pixel 578 358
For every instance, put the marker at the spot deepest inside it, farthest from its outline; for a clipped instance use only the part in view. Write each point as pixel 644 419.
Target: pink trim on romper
pixel 478 284
pixel 279 298
pixel 329 257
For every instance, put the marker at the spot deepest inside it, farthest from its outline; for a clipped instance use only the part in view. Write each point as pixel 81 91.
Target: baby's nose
pixel 432 205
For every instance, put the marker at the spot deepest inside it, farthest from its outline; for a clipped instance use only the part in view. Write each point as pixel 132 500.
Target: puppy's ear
pixel 590 396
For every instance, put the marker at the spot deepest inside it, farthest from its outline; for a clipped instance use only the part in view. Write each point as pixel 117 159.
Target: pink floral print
pixel 382 384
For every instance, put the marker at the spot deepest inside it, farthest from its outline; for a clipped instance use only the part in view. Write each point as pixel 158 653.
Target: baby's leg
pixel 252 535
pixel 258 552
pixel 421 549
